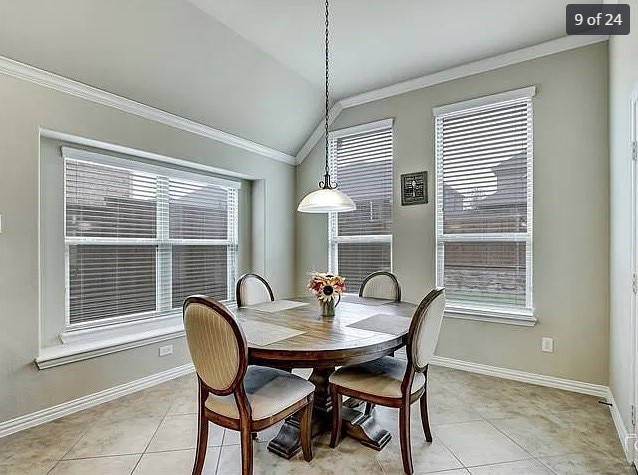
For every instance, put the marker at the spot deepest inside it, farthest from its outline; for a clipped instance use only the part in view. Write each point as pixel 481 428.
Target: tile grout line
pixel 449 450
pixel 546 466
pixel 154 434
pixel 510 438
pixel 443 442
pixel 71 448
pixel 467 467
pixel 219 455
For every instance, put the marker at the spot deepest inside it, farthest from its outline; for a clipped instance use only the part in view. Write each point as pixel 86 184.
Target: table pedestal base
pixel 364 428
pixel 355 423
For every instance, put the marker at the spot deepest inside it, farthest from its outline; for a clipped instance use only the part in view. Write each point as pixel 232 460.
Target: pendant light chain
pixel 325 184
pixel 327 199
pixel 327 80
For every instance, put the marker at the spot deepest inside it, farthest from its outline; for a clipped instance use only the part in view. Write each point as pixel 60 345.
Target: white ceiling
pixel 375 43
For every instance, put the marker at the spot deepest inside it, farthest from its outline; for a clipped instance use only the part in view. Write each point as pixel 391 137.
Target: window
pixel 140 238
pixel 360 241
pixel 484 204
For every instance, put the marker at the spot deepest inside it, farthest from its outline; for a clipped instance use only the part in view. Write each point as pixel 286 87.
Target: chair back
pixel 381 285
pixel 252 289
pixel 216 343
pixel 425 328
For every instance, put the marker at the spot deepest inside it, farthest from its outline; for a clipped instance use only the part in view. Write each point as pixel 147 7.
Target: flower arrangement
pixel 326 286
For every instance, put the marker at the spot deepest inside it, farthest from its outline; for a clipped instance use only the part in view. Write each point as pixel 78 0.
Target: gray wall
pixel 168 54
pixel 24 108
pixel 623 79
pixel 571 199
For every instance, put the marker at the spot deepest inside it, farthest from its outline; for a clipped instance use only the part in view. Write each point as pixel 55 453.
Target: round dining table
pixel 290 334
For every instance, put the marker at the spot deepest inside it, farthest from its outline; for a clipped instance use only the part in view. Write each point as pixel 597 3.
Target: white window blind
pixel 140 239
pixel 484 202
pixel 360 241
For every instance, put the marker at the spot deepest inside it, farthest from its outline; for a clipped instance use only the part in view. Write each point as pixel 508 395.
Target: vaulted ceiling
pixel 254 68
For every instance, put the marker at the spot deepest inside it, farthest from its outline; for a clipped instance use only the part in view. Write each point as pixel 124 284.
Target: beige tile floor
pixel 481 426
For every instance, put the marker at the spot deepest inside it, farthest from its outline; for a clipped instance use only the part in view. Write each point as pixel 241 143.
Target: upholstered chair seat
pixel 380 285
pixel 231 393
pixel 392 382
pixel 269 391
pixel 382 377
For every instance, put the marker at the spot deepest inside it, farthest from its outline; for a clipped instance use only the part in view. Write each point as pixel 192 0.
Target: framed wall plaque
pixel 414 188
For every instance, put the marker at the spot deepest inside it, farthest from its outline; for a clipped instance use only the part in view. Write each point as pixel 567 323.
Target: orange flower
pixel 326 286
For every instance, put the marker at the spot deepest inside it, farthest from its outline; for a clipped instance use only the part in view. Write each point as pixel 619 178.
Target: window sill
pixel 511 317
pixel 78 345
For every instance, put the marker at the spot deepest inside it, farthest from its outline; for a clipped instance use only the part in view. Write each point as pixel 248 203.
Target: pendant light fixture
pixel 327 198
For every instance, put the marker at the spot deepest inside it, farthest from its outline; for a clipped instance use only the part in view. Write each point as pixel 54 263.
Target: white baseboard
pixel 627 440
pixel 45 415
pixel 75 405
pixel 524 377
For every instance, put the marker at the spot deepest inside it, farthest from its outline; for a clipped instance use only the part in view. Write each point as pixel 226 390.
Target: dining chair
pixel 381 285
pixel 252 289
pixel 391 382
pixel 233 394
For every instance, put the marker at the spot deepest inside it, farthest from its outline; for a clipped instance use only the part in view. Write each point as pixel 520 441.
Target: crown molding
pixel 476 67
pixel 44 78
pixel 334 112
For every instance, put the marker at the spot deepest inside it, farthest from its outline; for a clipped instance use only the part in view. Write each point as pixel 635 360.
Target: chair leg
pixel 369 407
pixel 202 444
pixel 306 429
pixel 425 420
pixel 404 434
pixel 246 451
pixel 336 416
pixel 423 402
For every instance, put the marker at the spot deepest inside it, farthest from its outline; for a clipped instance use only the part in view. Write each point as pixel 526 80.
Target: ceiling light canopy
pixel 327 199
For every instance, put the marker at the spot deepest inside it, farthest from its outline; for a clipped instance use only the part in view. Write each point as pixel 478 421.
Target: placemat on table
pixel 351 298
pixel 383 323
pixel 276 306
pixel 264 334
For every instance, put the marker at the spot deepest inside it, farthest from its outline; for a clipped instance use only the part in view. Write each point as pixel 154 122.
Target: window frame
pixel 471 310
pixel 162 242
pixel 333 222
pixel 58 344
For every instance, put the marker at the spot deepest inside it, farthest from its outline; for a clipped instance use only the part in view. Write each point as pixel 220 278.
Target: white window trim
pixel 490 314
pixel 522 316
pixel 110 160
pixel 480 102
pixel 87 340
pixel 333 238
pixel 359 129
pixel 78 345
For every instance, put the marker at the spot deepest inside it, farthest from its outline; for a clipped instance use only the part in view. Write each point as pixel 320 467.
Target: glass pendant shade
pixel 326 201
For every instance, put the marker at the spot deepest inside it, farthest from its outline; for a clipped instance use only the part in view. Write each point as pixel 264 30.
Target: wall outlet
pixel 547 345
pixel 166 350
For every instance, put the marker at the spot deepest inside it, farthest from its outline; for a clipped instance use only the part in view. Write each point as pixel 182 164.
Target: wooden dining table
pixel 292 333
